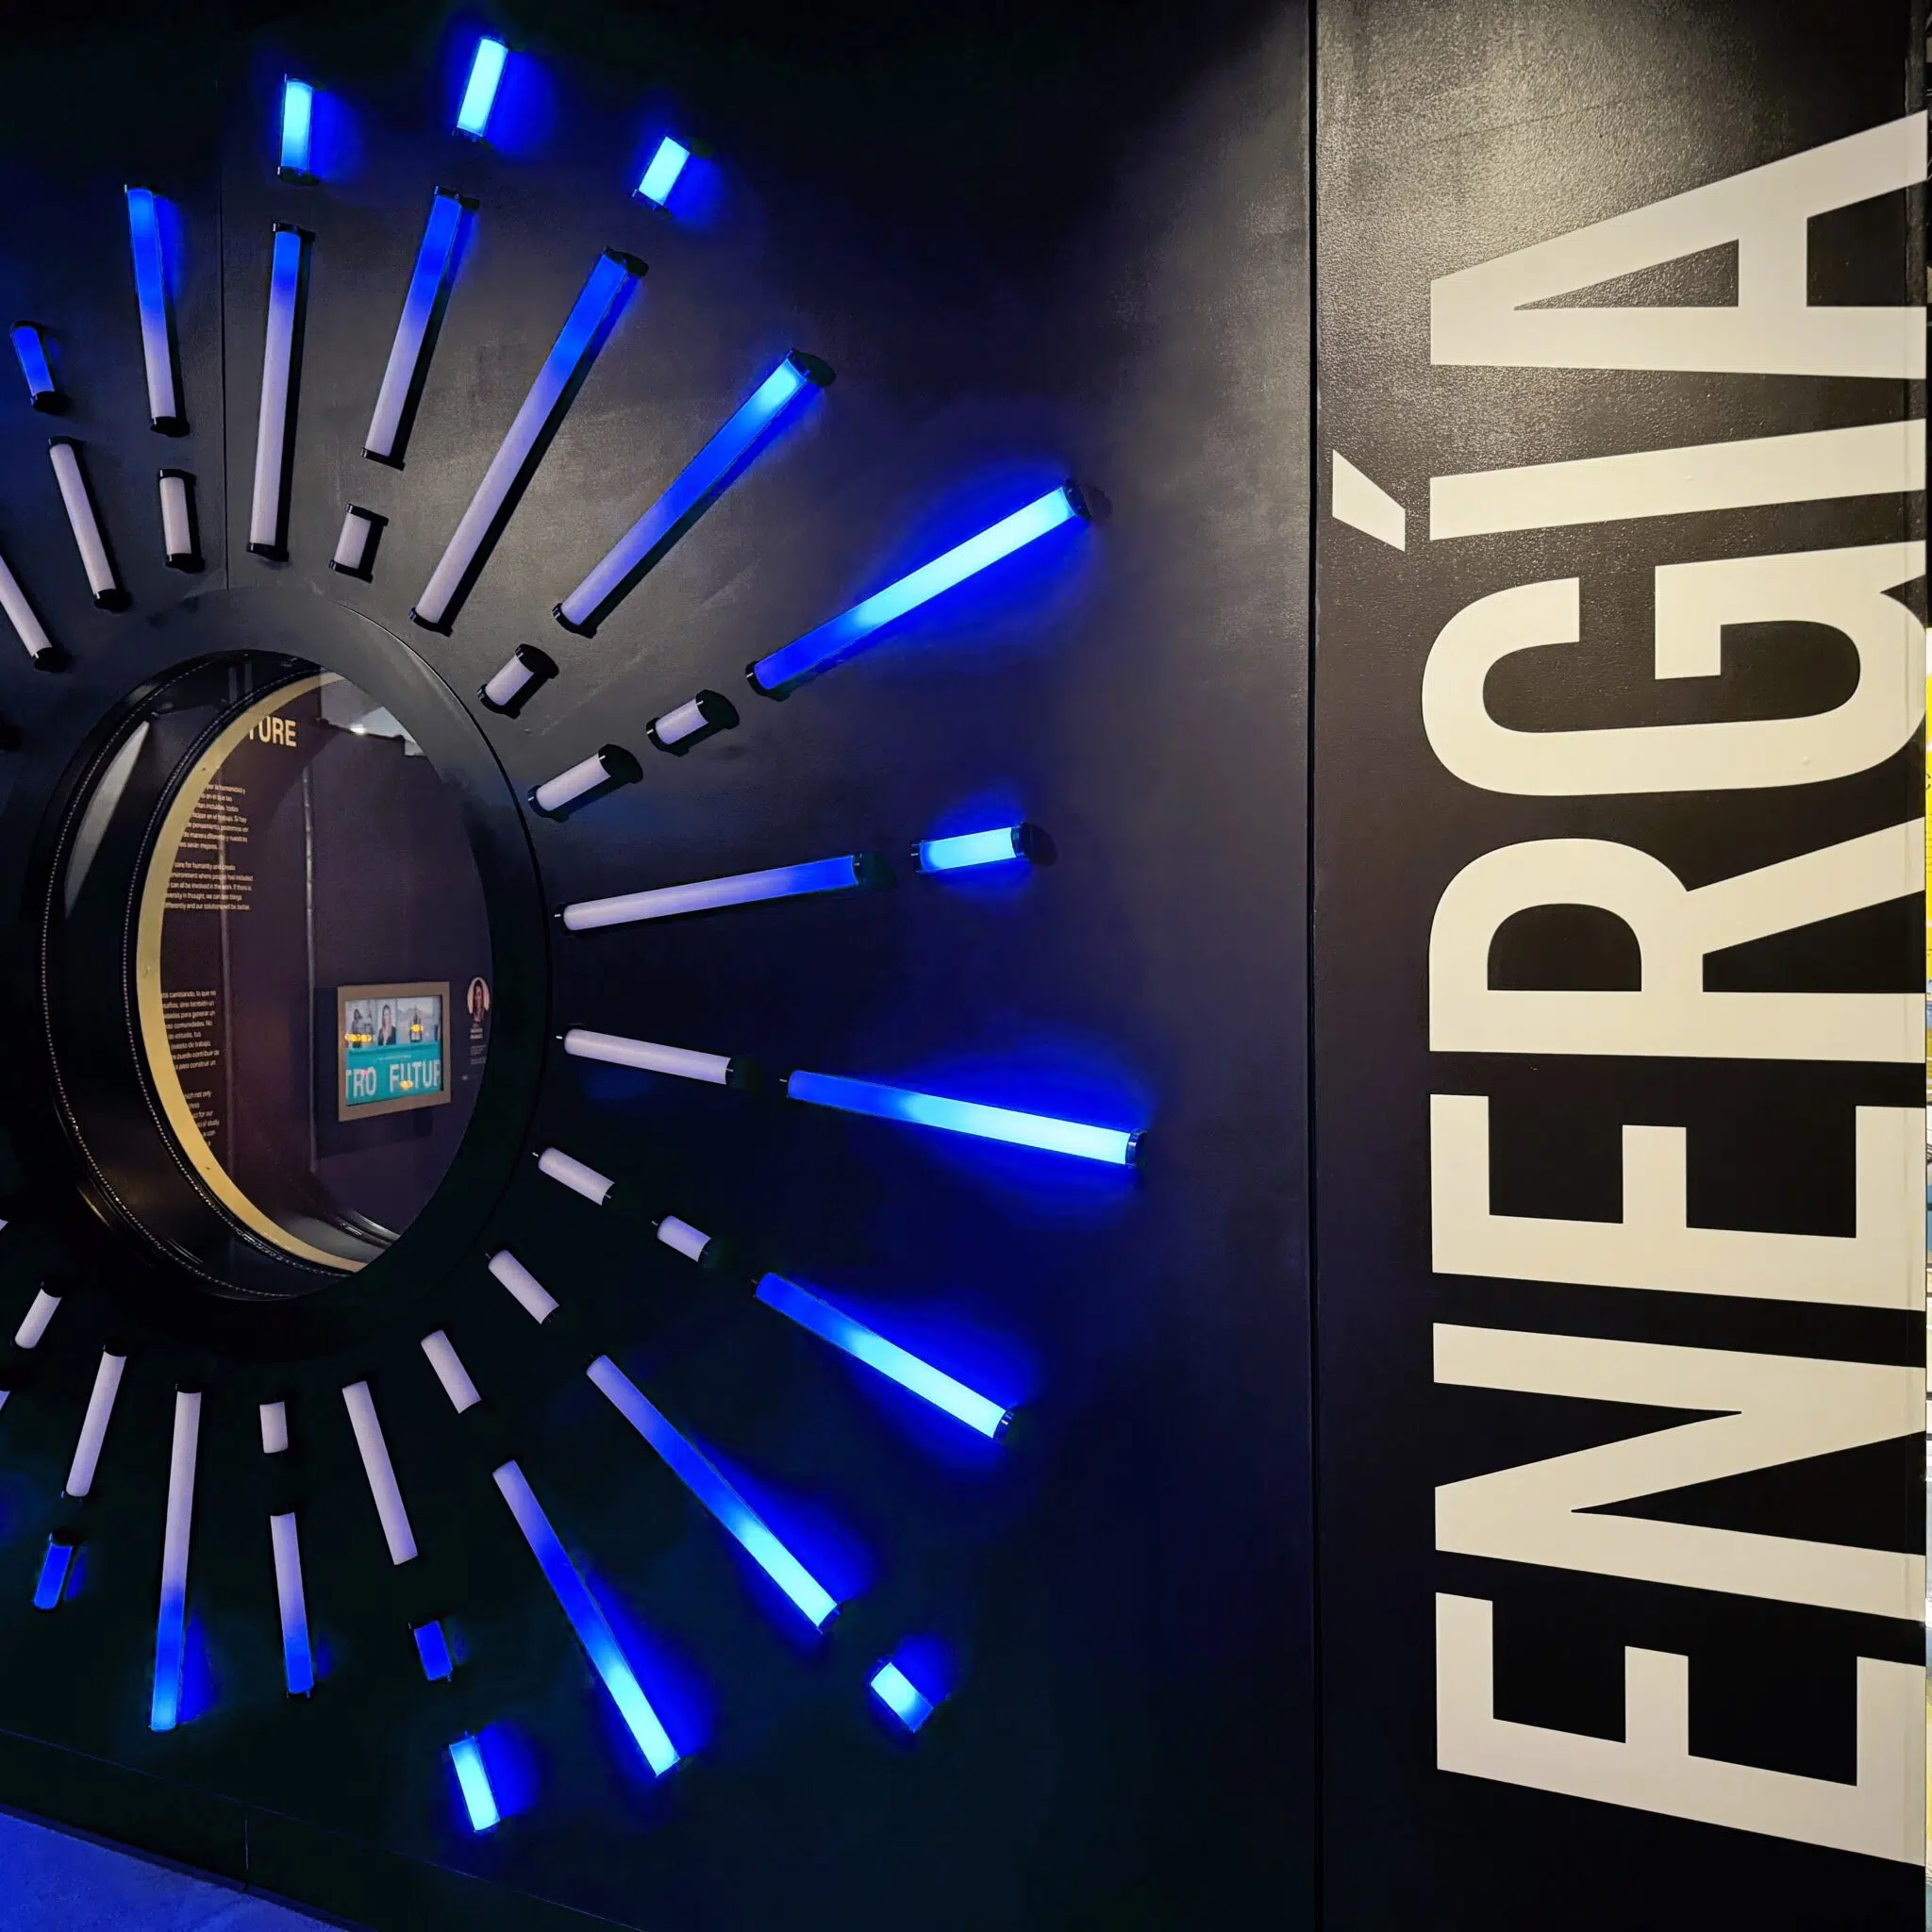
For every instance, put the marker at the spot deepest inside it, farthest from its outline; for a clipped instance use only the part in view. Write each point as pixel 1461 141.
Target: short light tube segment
pixel 741 889
pixel 508 689
pixel 432 1649
pixel 692 721
pixel 157 320
pixel 57 1561
pixel 30 347
pixel 660 176
pixel 897 1693
pixel 480 91
pixel 171 1623
pixel 177 521
pixel 383 1488
pixel 681 1238
pixel 450 1371
pixel 968 849
pixel 94 1426
pixel 610 764
pixel 577 344
pixel 298 118
pixel 26 620
pixel 591 1626
pixel 34 1322
pixel 64 454
pixel 298 1662
pixel 781 672
pixel 739 1517
pixel 691 492
pixel 1112 1145
pixel 472 1780
pixel 409 353
pixel 715 1069
pixel 268 507
pixel 530 1294
pixel 569 1172
pixel 846 1332
pixel 275 1427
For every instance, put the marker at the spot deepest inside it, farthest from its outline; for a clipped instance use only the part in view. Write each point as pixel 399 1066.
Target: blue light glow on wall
pixel 593 1631
pixel 972 848
pixel 151 296
pixel 479 92
pixel 439 1666
pixel 298 120
pixel 1112 1145
pixel 32 351
pixel 705 1482
pixel 896 1692
pixel 660 177
pixel 690 494
pixel 55 1563
pixel 867 1345
pixel 817 650
pixel 479 1801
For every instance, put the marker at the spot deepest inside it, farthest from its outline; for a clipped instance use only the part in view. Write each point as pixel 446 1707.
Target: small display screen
pixel 394 1050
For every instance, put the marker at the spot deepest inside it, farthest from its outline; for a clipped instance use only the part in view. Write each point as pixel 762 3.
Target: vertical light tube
pixel 267 510
pixel 42 392
pixel 298 1665
pixel 696 1473
pixel 612 278
pixel 741 889
pixel 381 1472
pixel 409 354
pixel 532 1296
pixel 479 1801
pixel 480 91
pixel 94 1426
pixel 157 324
pixel 591 1626
pixel 275 1427
pixel 450 1371
pixel 33 1324
pixel 298 118
pixel 65 457
pixel 177 521
pixel 691 722
pixel 690 492
pixel 171 1623
pixel 715 1069
pixel 26 624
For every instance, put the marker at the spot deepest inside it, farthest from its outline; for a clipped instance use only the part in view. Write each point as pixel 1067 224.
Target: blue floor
pixel 55 1883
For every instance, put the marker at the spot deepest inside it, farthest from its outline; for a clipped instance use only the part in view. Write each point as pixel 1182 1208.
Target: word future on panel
pixel 1759 1410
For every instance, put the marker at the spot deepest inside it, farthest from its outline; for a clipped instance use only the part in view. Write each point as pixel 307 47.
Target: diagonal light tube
pixel 94 1426
pixel 267 510
pixel 82 519
pixel 376 1466
pixel 409 354
pixel 26 624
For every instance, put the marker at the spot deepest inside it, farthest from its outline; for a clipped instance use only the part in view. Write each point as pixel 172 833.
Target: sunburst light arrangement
pixel 748 424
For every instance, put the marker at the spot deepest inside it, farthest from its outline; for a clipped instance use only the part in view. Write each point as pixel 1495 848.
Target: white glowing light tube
pixel 715 1068
pixel 526 668
pixel 610 281
pixel 594 1187
pixel 275 1427
pixel 20 614
pixel 94 1427
pixel 265 513
pixel 177 521
pixel 450 1371
pixel 535 1299
pixel 171 1620
pixel 353 545
pixel 681 1237
pixel 678 730
pixel 34 1324
pixel 82 520
pixel 380 1472
pixel 584 777
pixel 429 283
pixel 741 889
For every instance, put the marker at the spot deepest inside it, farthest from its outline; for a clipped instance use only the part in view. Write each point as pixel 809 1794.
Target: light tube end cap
pixel 575 629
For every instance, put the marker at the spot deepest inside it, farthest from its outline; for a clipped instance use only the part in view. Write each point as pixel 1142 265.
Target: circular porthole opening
pixel 267 974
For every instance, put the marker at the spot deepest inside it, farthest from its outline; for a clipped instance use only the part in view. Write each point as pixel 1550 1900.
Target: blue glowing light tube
pixel 479 94
pixel 896 1692
pixel 171 1621
pixel 660 177
pixel 428 283
pixel 805 657
pixel 479 1801
pixel 432 1646
pixel 298 116
pixel 972 848
pixel 593 1631
pixel 298 1663
pixel 863 1345
pixel 1110 1144
pixel 151 294
pixel 41 390
pixel 54 1564
pixel 690 494
pixel 690 1467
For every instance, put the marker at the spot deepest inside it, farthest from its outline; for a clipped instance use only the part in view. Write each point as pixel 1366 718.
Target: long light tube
pixel 450 1371
pixel 81 519
pixel 298 1662
pixel 864 1344
pixel 743 1522
pixel 509 687
pixel 479 1801
pixel 531 1295
pixel 713 1068
pixel 266 508
pixel 479 91
pixel 612 278
pixel 967 849
pixel 42 392
pixel 741 889
pixel 571 1173
pixel 57 1561
pixel 94 1426
pixel 33 1324
pixel 177 520
pixel 156 324
pixel 591 1626
pixel 381 1472
pixel 409 354
pixel 691 722
pixel 1111 1145
pixel 171 1623
pixel 900 1695
pixel 298 118
pixel 782 672
pixel 681 1238
pixel 26 624
pixel 690 494
pixel 660 177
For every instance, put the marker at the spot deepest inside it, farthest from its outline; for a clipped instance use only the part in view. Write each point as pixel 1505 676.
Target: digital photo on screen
pixel 393 1048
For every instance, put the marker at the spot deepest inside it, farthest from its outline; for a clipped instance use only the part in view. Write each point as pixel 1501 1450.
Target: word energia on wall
pixel 1758 1410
